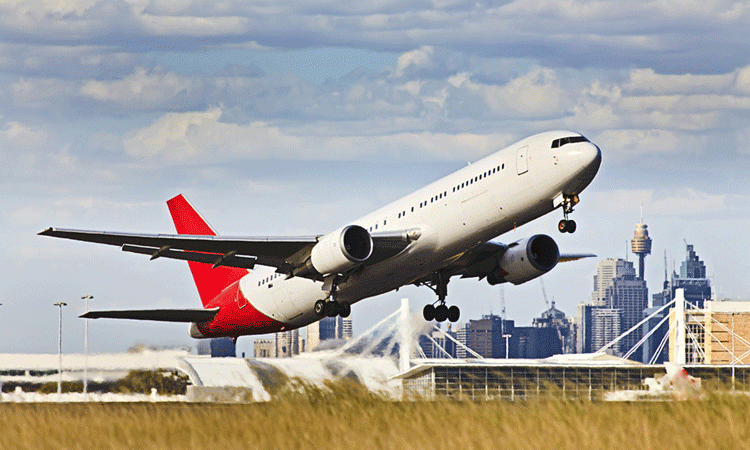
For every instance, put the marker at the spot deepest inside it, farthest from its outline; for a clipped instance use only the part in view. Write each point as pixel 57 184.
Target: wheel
pixel 454 313
pixel 562 226
pixel 332 309
pixel 345 309
pixel 320 308
pixel 428 313
pixel 571 226
pixel 441 313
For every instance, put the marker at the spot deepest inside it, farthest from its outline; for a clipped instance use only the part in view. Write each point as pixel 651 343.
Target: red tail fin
pixel 210 282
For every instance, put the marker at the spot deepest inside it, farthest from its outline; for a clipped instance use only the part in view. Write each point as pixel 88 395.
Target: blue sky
pixel 295 118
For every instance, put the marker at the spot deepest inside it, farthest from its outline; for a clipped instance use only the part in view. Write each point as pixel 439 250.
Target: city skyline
pixel 298 119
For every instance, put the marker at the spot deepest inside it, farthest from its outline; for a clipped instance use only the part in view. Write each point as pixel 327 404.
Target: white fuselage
pixel 471 206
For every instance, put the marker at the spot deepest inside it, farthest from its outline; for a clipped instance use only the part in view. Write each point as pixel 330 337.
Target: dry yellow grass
pixel 358 421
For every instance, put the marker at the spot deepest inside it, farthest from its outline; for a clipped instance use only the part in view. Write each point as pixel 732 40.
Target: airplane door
pixel 522 159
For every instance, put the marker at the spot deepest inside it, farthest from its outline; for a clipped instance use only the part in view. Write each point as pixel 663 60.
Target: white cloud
pixel 143 89
pixel 670 203
pixel 536 93
pixel 644 142
pixel 191 137
pixel 202 137
pixel 414 60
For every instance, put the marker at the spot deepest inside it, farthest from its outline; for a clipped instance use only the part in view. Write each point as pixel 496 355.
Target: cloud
pixel 667 36
pixel 679 203
pixel 144 90
pixel 203 137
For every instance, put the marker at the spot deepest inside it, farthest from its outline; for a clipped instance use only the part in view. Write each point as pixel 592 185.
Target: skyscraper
pixel 328 328
pixel 692 278
pixel 622 298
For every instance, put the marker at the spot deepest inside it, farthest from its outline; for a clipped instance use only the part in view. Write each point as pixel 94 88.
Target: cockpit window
pixel 568 140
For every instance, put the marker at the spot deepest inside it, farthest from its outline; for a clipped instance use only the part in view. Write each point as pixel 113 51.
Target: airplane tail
pixel 209 281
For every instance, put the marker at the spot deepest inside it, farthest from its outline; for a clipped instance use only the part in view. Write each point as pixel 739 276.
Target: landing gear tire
pixel 566 226
pixel 345 309
pixel 332 309
pixel 428 313
pixel 454 313
pixel 320 308
pixel 441 313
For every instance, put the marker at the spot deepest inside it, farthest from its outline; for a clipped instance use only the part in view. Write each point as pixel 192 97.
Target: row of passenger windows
pixel 444 194
pixel 269 279
pixel 568 140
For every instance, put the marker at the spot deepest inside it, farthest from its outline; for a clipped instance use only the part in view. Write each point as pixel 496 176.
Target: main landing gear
pixel 566 225
pixel 329 307
pixel 332 308
pixel 442 312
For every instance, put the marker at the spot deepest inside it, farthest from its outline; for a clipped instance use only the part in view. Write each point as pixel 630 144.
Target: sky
pixel 285 118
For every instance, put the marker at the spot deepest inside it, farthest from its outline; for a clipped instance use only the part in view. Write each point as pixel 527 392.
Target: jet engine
pixel 341 250
pixel 525 260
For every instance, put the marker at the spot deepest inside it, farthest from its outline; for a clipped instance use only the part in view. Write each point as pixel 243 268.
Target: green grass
pixel 352 419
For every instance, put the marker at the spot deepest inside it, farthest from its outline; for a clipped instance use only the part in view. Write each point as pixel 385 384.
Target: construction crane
pixel 544 292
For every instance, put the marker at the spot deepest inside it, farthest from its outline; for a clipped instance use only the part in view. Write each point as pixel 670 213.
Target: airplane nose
pixel 590 155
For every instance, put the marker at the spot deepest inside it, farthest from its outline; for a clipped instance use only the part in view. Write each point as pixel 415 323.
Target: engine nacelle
pixel 526 259
pixel 341 250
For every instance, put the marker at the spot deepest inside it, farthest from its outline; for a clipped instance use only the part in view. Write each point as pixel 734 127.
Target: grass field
pixel 355 420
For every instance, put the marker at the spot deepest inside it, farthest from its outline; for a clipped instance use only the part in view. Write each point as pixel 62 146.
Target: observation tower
pixel 641 245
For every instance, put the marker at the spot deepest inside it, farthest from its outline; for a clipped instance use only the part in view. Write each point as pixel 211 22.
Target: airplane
pixel 258 285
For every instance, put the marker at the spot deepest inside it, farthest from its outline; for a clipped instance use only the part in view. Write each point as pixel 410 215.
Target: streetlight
pixel 507 337
pixel 86 351
pixel 59 353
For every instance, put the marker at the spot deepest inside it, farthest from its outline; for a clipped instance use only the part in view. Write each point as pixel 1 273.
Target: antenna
pixel 502 302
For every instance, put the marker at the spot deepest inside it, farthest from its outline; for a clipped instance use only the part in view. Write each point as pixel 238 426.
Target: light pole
pixel 59 353
pixel 86 351
pixel 507 337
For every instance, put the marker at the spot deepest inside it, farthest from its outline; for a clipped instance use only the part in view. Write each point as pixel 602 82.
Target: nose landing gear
pixel 566 225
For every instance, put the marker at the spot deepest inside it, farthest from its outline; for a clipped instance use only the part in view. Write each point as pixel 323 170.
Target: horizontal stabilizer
pixel 575 256
pixel 162 315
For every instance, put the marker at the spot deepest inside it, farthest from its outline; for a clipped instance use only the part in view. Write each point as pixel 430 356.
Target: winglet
pixel 209 281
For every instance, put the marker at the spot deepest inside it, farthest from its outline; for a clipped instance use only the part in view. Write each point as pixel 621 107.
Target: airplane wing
pixel 162 315
pixel 482 260
pixel 575 256
pixel 283 253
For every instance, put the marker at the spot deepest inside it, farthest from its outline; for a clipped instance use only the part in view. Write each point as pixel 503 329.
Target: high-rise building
pixel 584 328
pixel 437 345
pixel 622 298
pixel 534 342
pixel 328 328
pixel 288 344
pixel 630 296
pixel 606 272
pixel 605 324
pixel 697 289
pixel 692 279
pixel 485 336
pixel 462 336
pixel 557 320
